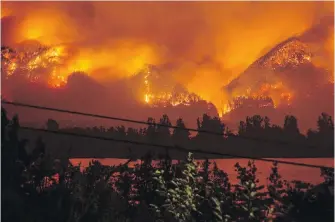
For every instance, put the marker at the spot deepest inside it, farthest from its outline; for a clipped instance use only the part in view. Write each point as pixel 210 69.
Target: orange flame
pixel 218 34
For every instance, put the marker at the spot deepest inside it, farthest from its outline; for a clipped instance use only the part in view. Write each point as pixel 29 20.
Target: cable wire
pixel 155 124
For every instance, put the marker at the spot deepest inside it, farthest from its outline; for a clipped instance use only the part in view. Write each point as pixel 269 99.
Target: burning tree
pixel 33 62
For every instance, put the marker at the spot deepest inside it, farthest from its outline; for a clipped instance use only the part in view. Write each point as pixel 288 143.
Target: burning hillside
pixel 291 53
pixel 34 62
pixel 201 49
pixel 273 75
pixel 160 91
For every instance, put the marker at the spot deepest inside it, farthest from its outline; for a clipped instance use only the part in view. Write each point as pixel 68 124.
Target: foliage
pixel 36 187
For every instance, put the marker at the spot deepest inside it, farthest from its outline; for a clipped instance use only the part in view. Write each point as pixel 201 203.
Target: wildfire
pixel 11 68
pixel 269 95
pixel 51 60
pixel 208 62
pixel 290 53
pixel 32 64
pixel 147 96
pixel 163 98
pixel 285 56
pixel 259 102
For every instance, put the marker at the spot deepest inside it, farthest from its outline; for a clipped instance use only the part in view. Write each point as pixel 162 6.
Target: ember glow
pixel 33 63
pixel 167 96
pixel 225 53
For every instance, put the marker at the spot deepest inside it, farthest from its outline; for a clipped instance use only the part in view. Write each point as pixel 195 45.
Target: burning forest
pixel 260 60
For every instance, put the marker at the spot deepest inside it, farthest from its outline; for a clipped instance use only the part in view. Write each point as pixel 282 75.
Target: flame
pixel 164 98
pixel 268 95
pixel 30 63
pixel 293 53
pixel 99 35
pixel 147 96
pixel 124 61
pixel 11 68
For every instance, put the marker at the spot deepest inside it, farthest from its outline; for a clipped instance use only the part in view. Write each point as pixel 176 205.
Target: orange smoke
pixel 210 43
pixel 123 59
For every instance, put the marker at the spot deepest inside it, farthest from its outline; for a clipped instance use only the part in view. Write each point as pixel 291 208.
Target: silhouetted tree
pixel 52 125
pixel 291 125
pixel 215 128
pixel 325 124
pixel 267 124
pixel 181 136
pixel 164 131
pixel 252 126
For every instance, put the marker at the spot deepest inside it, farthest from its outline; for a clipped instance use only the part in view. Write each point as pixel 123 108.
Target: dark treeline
pixel 37 187
pixel 290 142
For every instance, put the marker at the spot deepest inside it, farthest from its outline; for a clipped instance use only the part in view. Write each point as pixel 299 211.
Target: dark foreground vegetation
pixel 291 143
pixel 38 188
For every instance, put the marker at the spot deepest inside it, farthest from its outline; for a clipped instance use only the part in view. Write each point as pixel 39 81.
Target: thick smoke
pixel 208 45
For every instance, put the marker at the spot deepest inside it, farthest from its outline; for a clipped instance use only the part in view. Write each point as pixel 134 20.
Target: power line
pixel 162 125
pixel 105 117
pixel 173 147
pixel 156 124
